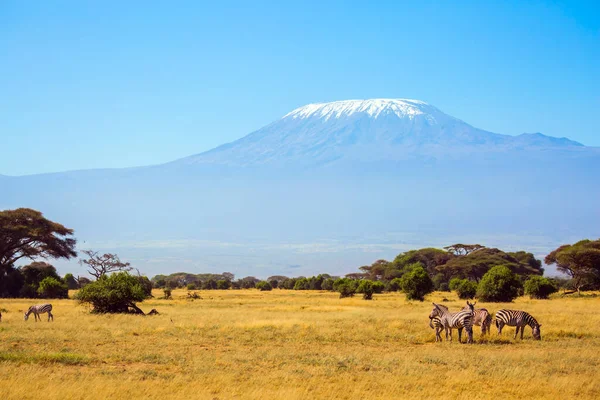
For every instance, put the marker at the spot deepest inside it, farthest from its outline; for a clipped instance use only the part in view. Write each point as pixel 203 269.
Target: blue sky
pixel 111 84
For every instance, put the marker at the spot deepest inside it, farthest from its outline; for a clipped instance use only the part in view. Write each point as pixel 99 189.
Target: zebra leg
pixel 516 332
pixel 460 335
pixel 470 335
pixel 50 316
pixel 522 330
pixel 499 325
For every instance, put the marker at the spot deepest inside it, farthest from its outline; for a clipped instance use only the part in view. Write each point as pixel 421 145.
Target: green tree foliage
pixel 248 282
pixel 11 281
pixel 223 284
pixel 25 233
pixel 581 261
pixel 454 283
pixel 52 288
pixel 365 287
pixel 346 287
pixel 146 285
pixel 71 282
pixel 327 284
pixel 460 249
pixel 301 284
pixel 191 286
pixel 466 289
pixel 394 285
pixel 499 284
pixel 416 283
pixel 210 284
pixel 538 287
pixel 477 263
pixel 167 293
pixel 264 286
pixel 115 293
pixel 430 258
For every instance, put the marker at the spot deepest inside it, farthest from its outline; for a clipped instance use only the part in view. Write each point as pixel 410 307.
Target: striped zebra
pixel 481 318
pixel 458 320
pixel 39 309
pixel 437 324
pixel 518 319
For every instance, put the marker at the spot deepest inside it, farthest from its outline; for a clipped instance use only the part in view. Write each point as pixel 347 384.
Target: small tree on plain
pixel 499 284
pixel 264 286
pixel 538 287
pixel 51 288
pixel 115 293
pixel 366 288
pixel 466 289
pixel 416 284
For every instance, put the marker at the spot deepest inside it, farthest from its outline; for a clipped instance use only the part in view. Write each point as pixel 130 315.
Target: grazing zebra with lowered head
pixel 481 317
pixel 518 319
pixel 458 320
pixel 40 309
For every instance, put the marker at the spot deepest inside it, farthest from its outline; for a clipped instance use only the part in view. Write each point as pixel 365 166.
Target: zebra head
pixel 437 311
pixel 470 306
pixel 537 332
pixel 25 316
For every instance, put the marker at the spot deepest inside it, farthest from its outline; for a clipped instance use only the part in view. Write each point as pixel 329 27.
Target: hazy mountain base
pixel 330 217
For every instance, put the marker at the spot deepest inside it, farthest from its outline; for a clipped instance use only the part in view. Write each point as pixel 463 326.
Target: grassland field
pixel 289 345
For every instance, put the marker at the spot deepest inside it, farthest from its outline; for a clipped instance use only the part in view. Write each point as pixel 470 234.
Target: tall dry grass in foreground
pixel 293 345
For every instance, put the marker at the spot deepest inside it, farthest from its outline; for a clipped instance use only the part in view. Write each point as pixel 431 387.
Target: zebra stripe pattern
pixel 39 309
pixel 481 318
pixel 519 319
pixel 437 324
pixel 459 320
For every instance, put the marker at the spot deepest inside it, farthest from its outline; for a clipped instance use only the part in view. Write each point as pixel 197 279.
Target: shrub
pixel 439 280
pixel 393 285
pixel 115 293
pixel 538 287
pixel 466 289
pixel 345 286
pixel 71 282
pixel 444 287
pixel 416 283
pixel 223 284
pixel 274 283
pixel 499 284
pixel 378 287
pixel 51 288
pixel 454 283
pixel 264 286
pixel 146 285
pixel 210 284
pixel 191 286
pixel 167 293
pixel 327 284
pixel 301 284
pixel 366 288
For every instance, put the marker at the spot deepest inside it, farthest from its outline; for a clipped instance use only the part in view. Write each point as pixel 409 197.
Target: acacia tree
pixel 581 261
pixel 25 233
pixel 100 265
pixel 460 249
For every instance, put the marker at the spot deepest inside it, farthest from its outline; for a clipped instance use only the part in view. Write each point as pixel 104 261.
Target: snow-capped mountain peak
pixel 403 108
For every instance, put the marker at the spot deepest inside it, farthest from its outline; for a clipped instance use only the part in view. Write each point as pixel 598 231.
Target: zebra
pixel 437 324
pixel 481 318
pixel 39 309
pixel 458 320
pixel 518 319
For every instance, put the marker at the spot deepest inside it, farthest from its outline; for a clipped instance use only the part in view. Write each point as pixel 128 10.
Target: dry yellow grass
pixel 293 345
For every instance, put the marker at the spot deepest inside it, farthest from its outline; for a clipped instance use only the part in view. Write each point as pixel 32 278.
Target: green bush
pixel 416 283
pixel 466 289
pixel 51 288
pixel 378 287
pixel 393 285
pixel 499 284
pixel 345 286
pixel 167 293
pixel 327 284
pixel 444 287
pixel 115 293
pixel 71 282
pixel 191 286
pixel 454 283
pixel 223 284
pixel 366 288
pixel 146 285
pixel 264 286
pixel 538 287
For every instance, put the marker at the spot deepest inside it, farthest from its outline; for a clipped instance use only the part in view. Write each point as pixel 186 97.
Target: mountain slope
pixel 354 130
pixel 327 188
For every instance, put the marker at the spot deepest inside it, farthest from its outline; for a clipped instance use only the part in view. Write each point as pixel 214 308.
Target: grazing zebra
pixel 518 319
pixel 481 318
pixel 39 309
pixel 458 320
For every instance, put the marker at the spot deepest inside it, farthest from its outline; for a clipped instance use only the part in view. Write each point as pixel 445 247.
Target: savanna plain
pixel 294 345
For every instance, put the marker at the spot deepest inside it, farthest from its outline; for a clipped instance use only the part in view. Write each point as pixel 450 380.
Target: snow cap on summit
pixel 403 108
